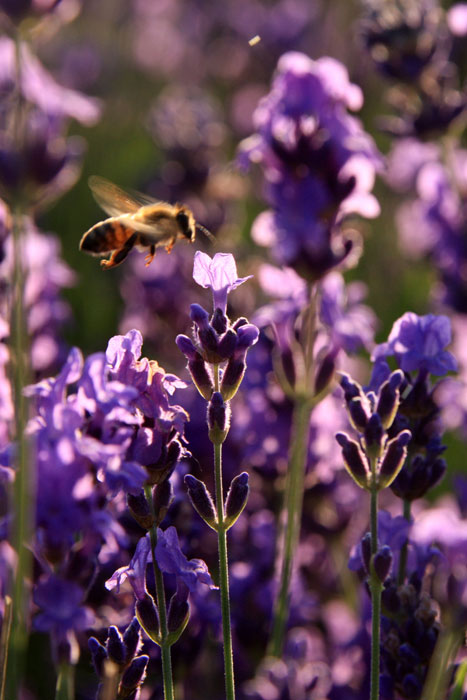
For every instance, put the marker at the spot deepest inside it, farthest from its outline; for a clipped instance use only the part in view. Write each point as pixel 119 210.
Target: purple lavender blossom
pixel 61 605
pixel 91 444
pixel 218 274
pixel 135 572
pixel 318 163
pixel 418 343
pixel 171 560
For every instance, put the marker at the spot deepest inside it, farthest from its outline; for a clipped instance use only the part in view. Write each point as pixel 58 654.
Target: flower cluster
pixel 318 163
pixel 114 433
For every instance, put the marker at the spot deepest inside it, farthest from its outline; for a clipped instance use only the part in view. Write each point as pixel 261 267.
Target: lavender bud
pixel 218 418
pixel 139 508
pixel 219 321
pixel 148 617
pixel 351 389
pixel 247 335
pixel 135 673
pixel 186 346
pixel 355 461
pixel 201 500
pixel 358 414
pixel 232 378
pixel 366 551
pixel 242 321
pixel 132 638
pixel 374 435
pixel 207 336
pixel 98 655
pixel 388 399
pixel 162 497
pixel 236 498
pixel 178 614
pixel 227 344
pixel 325 371
pixel 201 377
pixel 115 647
pixel 382 562
pixel 393 459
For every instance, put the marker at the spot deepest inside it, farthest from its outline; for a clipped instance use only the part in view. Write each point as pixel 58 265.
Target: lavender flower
pixel 318 163
pixel 418 343
pixel 90 445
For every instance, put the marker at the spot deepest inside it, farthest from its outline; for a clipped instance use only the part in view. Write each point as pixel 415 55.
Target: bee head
pixel 186 225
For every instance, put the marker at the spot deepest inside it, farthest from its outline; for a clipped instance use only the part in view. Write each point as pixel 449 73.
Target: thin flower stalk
pixel 162 609
pixel 294 487
pixel 217 363
pixel 20 378
pixel 376 588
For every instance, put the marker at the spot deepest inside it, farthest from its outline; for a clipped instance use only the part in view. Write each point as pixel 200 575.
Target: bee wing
pixel 115 201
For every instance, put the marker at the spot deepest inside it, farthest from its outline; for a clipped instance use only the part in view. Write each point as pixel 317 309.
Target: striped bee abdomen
pixel 107 235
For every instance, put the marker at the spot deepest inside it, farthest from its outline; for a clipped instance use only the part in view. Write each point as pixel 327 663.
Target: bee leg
pixel 150 256
pixel 118 256
pixel 170 245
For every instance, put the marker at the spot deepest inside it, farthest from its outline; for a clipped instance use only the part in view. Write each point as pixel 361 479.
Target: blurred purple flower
pixel 418 343
pixel 318 163
pixel 61 605
pixel 45 276
pixel 351 324
pixel 457 19
pixel 39 88
pixel 44 165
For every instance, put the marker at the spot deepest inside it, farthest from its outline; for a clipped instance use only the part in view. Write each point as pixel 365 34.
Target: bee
pixel 136 221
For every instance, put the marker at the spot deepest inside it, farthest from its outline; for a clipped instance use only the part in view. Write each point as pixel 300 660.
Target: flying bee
pixel 136 221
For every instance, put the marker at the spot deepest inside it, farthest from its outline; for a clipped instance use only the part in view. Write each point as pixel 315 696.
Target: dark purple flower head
pixel 171 560
pixel 418 343
pixel 61 604
pixel 318 163
pixel 219 274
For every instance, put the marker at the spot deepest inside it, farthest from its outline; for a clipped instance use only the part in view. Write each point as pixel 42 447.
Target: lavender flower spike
pixel 219 273
pixel 171 560
pixel 418 343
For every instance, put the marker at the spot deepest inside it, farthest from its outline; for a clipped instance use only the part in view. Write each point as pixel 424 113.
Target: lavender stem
pixel 162 610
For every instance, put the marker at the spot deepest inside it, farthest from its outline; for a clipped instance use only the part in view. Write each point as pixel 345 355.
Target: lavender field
pixel 233 351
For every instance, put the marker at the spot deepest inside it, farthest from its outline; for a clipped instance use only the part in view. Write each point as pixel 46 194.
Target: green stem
pixel 293 511
pixel 162 610
pixel 64 689
pixel 224 576
pixel 404 548
pixel 440 669
pixel 376 590
pixel 23 485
